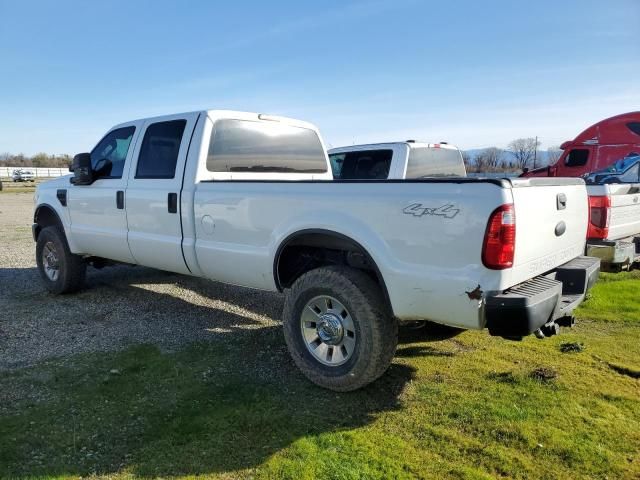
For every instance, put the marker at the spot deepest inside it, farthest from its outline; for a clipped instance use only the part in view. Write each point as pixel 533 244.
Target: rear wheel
pixel 61 270
pixel 338 328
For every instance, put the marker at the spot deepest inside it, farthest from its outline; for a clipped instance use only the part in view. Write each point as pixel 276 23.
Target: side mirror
pixel 525 170
pixel 81 168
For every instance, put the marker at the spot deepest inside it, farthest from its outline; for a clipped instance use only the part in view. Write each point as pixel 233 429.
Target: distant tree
pixel 523 151
pixel 480 162
pixel 466 158
pixel 489 159
pixel 553 154
pixel 40 160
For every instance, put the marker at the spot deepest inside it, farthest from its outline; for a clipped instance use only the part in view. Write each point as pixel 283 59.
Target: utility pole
pixel 535 153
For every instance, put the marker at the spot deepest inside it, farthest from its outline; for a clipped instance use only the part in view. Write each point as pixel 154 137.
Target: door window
pixel 577 157
pixel 113 147
pixel 160 147
pixel 634 127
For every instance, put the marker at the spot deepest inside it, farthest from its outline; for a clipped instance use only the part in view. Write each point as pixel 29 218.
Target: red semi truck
pixel 597 147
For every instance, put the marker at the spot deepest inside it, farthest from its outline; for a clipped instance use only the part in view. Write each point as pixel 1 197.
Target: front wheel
pixel 61 270
pixel 338 328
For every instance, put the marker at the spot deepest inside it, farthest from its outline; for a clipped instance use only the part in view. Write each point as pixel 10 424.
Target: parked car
pixel 614 213
pixel 625 170
pixel 23 176
pixel 396 160
pixel 596 148
pixel 249 199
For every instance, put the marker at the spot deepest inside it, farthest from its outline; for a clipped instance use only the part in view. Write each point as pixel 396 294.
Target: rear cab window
pixel 435 162
pixel 361 164
pixel 256 146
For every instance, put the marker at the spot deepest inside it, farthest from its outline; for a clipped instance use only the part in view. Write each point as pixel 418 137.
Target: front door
pixel 98 219
pixel 153 192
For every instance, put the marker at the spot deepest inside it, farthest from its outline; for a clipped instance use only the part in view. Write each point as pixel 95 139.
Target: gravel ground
pixel 120 305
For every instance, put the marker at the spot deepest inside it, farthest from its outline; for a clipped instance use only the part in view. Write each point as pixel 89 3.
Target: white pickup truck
pixel 248 199
pixel 396 160
pixel 614 224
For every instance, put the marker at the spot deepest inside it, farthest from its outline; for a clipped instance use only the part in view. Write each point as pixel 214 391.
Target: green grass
pixel 464 406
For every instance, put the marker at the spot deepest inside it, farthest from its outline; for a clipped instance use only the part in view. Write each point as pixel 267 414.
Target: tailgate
pixel 551 224
pixel 625 210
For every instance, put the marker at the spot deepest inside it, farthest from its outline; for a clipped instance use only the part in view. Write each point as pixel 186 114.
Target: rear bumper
pixel 615 252
pixel 529 306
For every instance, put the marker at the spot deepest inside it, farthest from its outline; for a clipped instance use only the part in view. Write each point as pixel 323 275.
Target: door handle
pixel 172 203
pixel 120 199
pixel 561 201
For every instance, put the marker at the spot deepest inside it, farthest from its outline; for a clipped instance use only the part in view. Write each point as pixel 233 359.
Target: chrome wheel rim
pixel 328 330
pixel 50 261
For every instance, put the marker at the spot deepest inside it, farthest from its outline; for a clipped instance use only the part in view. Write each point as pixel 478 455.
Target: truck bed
pixel 426 235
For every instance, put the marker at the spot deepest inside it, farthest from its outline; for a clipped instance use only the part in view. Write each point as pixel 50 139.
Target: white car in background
pixel 396 160
pixel 23 176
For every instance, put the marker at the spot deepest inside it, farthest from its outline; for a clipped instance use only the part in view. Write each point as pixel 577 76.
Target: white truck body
pixel 426 241
pixel 396 160
pixel 614 231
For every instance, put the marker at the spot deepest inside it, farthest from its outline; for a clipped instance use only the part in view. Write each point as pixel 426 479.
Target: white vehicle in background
pixel 249 199
pixel 396 160
pixel 614 223
pixel 23 176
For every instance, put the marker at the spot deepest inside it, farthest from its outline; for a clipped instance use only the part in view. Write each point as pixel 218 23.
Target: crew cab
pixel 595 148
pixel 249 199
pixel 396 160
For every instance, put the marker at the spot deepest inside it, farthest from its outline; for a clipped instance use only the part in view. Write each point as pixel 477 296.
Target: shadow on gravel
pixel 227 399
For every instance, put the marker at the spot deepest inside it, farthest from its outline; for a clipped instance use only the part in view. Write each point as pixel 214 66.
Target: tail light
pixel 500 239
pixel 599 216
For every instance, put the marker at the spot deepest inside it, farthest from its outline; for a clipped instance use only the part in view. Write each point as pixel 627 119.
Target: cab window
pixel 264 146
pixel 114 148
pixel 160 147
pixel 577 157
pixel 361 165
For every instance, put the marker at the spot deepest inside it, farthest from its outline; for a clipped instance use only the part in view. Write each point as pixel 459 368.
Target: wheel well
pixel 45 216
pixel 309 249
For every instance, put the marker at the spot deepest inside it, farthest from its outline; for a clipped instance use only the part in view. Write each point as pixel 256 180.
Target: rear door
pixel 153 192
pixel 551 224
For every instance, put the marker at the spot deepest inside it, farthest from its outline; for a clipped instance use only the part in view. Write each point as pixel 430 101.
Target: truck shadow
pixel 208 388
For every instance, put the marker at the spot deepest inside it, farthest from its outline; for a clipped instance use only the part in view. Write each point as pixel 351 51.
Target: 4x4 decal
pixel 418 210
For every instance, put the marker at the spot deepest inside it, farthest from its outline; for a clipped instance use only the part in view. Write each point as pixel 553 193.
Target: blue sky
pixel 474 73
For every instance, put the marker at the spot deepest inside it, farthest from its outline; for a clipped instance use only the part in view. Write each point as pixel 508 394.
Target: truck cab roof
pixel 218 114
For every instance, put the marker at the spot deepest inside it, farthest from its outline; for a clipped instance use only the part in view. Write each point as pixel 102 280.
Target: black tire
pixel 376 329
pixel 71 268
